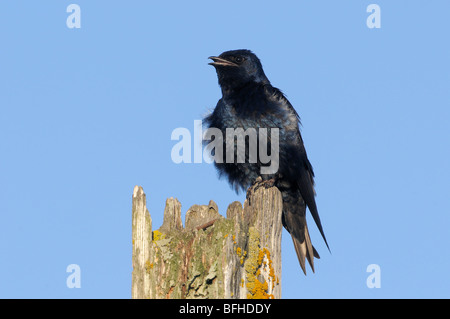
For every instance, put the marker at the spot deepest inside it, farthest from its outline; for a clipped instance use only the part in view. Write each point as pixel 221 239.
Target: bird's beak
pixel 220 62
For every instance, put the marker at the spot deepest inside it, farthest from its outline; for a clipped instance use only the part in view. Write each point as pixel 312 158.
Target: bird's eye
pixel 238 59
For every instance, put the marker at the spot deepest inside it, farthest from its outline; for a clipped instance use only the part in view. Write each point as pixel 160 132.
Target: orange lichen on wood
pixel 148 266
pixel 255 263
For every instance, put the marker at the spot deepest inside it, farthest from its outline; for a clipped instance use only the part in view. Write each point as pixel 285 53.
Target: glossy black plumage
pixel 250 101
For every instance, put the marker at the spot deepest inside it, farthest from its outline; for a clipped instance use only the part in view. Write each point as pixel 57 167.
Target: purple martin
pixel 250 101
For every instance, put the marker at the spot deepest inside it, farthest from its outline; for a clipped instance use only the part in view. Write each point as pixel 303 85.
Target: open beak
pixel 220 62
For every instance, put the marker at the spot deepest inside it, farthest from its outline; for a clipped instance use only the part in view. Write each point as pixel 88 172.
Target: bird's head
pixel 238 67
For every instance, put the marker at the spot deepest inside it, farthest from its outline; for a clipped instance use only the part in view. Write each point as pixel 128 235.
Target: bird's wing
pixel 304 171
pixel 305 184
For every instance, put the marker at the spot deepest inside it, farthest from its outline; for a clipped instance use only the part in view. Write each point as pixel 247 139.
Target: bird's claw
pixel 258 184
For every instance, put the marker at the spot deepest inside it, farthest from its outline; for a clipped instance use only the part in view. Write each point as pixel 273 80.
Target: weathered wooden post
pixel 212 256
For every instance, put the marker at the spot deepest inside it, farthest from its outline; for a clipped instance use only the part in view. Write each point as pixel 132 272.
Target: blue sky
pixel 86 114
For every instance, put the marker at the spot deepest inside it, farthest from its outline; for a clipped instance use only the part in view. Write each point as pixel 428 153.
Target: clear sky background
pixel 86 114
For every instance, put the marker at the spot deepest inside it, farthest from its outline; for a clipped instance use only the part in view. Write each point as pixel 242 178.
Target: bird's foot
pixel 266 184
pixel 258 184
pixel 251 189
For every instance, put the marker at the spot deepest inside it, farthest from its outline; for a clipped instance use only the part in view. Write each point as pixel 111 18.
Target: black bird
pixel 250 101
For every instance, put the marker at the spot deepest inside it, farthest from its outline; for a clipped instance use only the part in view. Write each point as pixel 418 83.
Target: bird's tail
pixel 305 250
pixel 294 220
